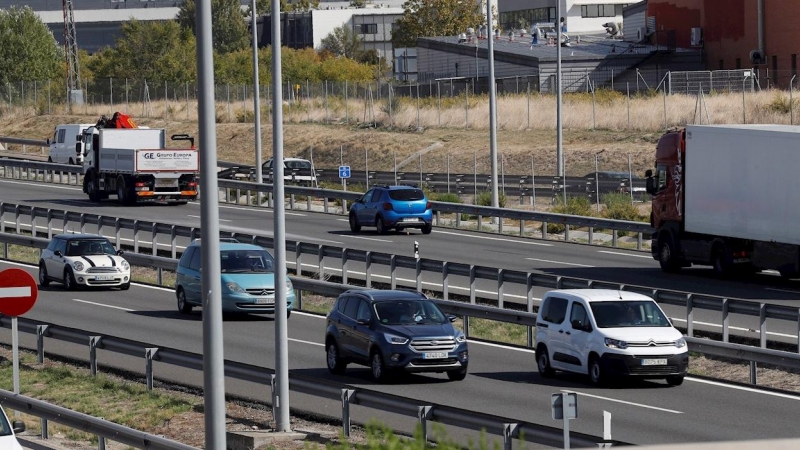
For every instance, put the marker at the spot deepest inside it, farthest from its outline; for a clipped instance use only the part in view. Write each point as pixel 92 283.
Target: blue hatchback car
pixel 393 331
pixel 248 279
pixel 392 207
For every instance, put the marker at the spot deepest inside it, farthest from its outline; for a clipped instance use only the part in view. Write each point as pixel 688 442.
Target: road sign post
pixel 344 174
pixel 565 407
pixel 18 293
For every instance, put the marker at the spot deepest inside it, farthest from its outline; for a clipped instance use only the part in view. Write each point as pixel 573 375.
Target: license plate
pixel 410 219
pixel 166 182
pixel 104 277
pixel 654 362
pixel 265 301
pixel 434 355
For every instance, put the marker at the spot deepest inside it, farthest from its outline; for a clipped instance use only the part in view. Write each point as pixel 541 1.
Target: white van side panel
pixel 63 145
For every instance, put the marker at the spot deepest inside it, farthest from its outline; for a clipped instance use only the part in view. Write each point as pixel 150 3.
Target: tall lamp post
pixel 256 99
pixel 492 106
pixel 559 134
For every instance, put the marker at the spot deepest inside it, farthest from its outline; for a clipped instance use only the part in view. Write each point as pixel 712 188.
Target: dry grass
pixel 462 134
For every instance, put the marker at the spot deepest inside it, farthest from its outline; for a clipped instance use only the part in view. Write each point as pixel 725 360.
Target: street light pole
pixel 256 99
pixel 492 107
pixel 559 135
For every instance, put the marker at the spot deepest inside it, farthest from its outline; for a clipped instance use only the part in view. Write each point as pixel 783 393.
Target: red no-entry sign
pixel 18 292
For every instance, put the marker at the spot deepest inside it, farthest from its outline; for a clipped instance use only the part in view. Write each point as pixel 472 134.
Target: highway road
pixel 502 380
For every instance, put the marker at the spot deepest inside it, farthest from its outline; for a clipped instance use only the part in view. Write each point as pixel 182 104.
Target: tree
pixel 342 41
pixel 228 27
pixel 422 18
pixel 28 50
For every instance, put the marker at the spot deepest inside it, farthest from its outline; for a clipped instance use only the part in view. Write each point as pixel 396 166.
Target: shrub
pixel 618 206
pixel 447 197
pixel 485 199
pixel 576 206
pixel 780 104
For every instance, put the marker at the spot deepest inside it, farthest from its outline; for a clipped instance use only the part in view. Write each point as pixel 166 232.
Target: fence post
pixel 348 395
pixel 94 342
pixel 149 355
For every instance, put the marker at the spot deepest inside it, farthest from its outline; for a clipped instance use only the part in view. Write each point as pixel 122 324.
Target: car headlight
pixel 78 266
pixel 392 339
pixel 680 343
pixel 460 338
pixel 125 265
pixel 233 287
pixel 615 343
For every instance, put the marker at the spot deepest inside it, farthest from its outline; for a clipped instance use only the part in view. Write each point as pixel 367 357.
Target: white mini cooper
pixel 83 260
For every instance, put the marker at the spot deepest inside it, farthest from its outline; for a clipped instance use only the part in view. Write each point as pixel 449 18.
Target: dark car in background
pixel 392 207
pixel 391 332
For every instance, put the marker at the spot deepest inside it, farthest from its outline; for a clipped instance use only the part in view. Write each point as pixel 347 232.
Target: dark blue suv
pixel 388 207
pixel 393 331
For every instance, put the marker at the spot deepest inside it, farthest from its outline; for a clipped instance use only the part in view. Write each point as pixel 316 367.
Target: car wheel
pixel 718 260
pixel 335 364
pixel 379 372
pixel 125 286
pixel 543 362
pixel 596 374
pixel 427 228
pixel 183 306
pixel 667 255
pixel 69 280
pixel 457 375
pixel 44 279
pixel 354 226
pixel 380 226
pixel 676 380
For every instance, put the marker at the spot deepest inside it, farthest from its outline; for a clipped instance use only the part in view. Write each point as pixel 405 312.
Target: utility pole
pixel 74 92
pixel 559 134
pixel 256 97
pixel 492 107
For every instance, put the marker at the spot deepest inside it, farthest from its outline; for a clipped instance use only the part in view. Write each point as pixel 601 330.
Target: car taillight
pixel 141 184
pixel 387 206
pixel 428 205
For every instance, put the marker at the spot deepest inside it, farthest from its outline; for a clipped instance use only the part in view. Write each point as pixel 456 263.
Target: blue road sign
pixel 344 171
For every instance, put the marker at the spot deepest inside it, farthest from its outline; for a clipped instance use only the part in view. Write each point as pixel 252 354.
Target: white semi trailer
pixel 136 166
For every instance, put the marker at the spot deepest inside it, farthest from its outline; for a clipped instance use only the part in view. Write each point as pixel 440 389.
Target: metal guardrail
pixel 255 194
pixel 87 423
pixel 21 141
pixel 423 411
pixel 724 349
pixel 160 234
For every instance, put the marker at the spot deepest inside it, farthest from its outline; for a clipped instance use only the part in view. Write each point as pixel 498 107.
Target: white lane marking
pixel 307 342
pixel 783 290
pixel 625 254
pixel 488 238
pixel 492 344
pixel 640 405
pixel 716 325
pixel 100 304
pixel 367 239
pixel 744 388
pixel 9 292
pixel 54 186
pixel 239 208
pixel 343 220
pixel 558 262
pixel 197 217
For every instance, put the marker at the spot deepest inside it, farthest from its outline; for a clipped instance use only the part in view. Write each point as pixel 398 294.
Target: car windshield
pixel 78 247
pixel 245 261
pixel 409 312
pixel 297 165
pixel 644 313
pixel 406 194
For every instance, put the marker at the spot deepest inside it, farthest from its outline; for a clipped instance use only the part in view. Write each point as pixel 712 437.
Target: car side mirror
pixel 650 186
pixel 18 426
pixel 577 325
pixel 120 252
pixel 78 138
pixel 58 253
pixel 452 318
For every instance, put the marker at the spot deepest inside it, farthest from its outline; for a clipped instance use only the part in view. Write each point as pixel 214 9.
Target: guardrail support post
pixel 393 271
pixel 445 280
pixel 501 273
pixel 173 241
pixel 291 202
pixel 798 331
pixel 419 275
pixel 154 239
pixel 480 222
pixel 725 311
pixel 559 282
pixel 591 235
pixel 566 232
pixel 438 218
pixel 529 290
pixel 135 236
pixel 689 315
pixel 320 265
pixel 308 203
pixel 41 332
pixel 368 269
pixel 2 219
pixel 45 435
pixel 544 230
pixel 753 373
pixel 614 238
pixel 298 260
pixel 348 395
pixel 423 414
pixel 101 441
pixel 94 342
pixel 16 217
pixel 100 225
pixel 49 223
pixel 762 324
pixel 500 225
pixel 509 433
pixel 64 222
pixel 472 284
pixel 193 234
pixel 83 222
pixel 325 205
pixel 344 265
pixel 638 241
pixel 273 387
pixel 458 220
pixel 33 222
pixel 117 227
pixel 521 225
pixel 149 354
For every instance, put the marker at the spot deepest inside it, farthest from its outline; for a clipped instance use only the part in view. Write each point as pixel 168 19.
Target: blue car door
pixel 360 207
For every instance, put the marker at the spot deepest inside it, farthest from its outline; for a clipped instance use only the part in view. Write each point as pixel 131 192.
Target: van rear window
pixel 408 195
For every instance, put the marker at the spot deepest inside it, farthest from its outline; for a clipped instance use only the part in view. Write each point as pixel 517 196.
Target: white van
pixel 607 334
pixel 64 147
pixel 295 171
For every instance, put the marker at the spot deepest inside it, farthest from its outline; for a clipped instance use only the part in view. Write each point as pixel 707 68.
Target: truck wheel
pixel 123 193
pixel 667 255
pixel 92 188
pixel 719 261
